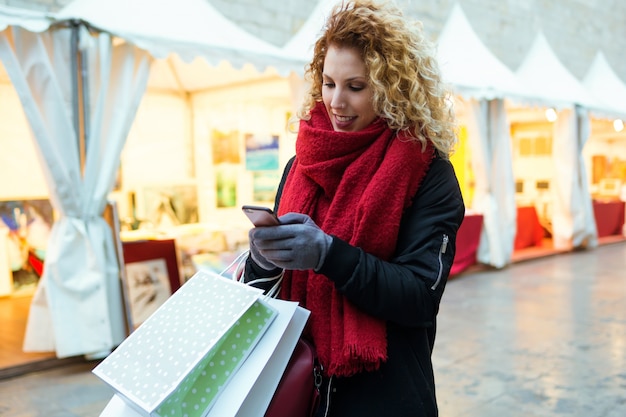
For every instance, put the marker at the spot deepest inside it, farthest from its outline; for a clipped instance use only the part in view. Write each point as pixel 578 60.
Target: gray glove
pixel 298 243
pixel 256 255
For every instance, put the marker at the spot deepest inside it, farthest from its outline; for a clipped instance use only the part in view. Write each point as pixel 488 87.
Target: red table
pixel 467 240
pixel 529 231
pixel 609 217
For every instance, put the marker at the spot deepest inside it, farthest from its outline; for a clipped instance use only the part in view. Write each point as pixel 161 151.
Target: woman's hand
pixel 256 254
pixel 298 243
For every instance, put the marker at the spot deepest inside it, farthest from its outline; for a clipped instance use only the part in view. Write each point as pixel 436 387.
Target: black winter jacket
pixel 405 291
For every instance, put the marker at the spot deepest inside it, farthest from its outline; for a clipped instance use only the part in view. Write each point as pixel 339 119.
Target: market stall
pixel 549 163
pixel 110 88
pixel 605 152
pixel 77 307
pixel 483 159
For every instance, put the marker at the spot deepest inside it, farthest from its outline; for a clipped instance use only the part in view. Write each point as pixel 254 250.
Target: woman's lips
pixel 343 122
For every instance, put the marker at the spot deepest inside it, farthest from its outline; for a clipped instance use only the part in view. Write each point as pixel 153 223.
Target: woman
pixel 369 209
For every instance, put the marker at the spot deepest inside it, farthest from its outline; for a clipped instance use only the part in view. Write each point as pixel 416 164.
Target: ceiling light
pixel 551 114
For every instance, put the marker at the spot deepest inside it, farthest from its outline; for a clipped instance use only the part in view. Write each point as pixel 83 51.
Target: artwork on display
pixel 226 159
pixel 226 184
pixel 225 147
pixel 148 288
pixel 608 167
pixel 261 152
pixel 261 158
pixel 28 224
pixel 265 185
pixel 151 275
pixel 532 139
pixel 168 205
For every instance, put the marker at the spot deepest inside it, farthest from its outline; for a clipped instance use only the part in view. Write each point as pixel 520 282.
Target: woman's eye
pixel 328 85
pixel 356 87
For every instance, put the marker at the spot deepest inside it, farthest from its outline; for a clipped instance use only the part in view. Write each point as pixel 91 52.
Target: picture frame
pixel 264 186
pixel 150 276
pixel 262 152
pixel 166 205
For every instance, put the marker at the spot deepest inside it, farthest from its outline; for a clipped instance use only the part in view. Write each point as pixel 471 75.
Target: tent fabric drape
pixel 585 233
pixel 492 161
pixel 573 219
pixel 188 28
pixel 77 308
pixel 34 21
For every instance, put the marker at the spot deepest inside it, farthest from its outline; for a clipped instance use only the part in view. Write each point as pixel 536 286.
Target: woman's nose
pixel 338 102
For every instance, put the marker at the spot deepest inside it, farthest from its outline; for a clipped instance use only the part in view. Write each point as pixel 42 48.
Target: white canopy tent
pixel 551 84
pixel 31 20
pixel 186 36
pixel 77 308
pixel 547 80
pixel 484 81
pixel 300 46
pixel 606 87
pixel 26 182
pixel 210 62
pixel 467 64
pixel 610 92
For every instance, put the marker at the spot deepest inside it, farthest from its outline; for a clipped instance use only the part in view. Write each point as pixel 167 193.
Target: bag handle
pixel 239 264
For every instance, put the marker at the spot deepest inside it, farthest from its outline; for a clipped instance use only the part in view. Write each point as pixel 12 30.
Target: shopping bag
pixel 250 392
pixel 252 387
pixel 178 362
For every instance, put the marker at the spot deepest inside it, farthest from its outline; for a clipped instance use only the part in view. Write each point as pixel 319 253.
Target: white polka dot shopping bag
pixel 216 347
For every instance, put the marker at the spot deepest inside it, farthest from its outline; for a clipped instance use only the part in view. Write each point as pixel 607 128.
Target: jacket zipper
pixel 442 250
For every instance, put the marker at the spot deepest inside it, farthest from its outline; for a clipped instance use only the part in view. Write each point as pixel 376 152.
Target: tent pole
pixel 84 83
pixel 186 95
pixel 77 101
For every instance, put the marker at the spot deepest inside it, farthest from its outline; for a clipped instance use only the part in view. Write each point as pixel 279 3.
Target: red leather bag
pixel 298 392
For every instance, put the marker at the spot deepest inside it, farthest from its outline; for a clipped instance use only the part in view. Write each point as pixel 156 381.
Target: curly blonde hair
pixel 403 73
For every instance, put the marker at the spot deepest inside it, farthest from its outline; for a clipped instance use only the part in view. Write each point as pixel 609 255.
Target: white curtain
pixel 585 233
pixel 77 308
pixel 494 193
pixel 573 221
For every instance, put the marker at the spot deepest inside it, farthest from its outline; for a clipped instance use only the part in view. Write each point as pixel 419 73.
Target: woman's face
pixel 345 90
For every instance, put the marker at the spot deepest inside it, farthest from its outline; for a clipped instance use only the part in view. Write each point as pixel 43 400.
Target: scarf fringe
pixel 361 360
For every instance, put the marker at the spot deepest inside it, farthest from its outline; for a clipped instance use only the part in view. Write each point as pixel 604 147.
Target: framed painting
pixel 166 205
pixel 150 276
pixel 261 152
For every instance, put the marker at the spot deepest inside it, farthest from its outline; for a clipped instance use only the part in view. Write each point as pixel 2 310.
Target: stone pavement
pixel 540 338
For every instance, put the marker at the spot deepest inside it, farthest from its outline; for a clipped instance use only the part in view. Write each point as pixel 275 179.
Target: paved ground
pixel 540 338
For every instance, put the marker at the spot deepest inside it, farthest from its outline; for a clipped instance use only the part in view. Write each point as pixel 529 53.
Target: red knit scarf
pixel 354 185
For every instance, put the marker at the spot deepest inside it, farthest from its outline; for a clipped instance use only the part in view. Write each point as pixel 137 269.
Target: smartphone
pixel 260 216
